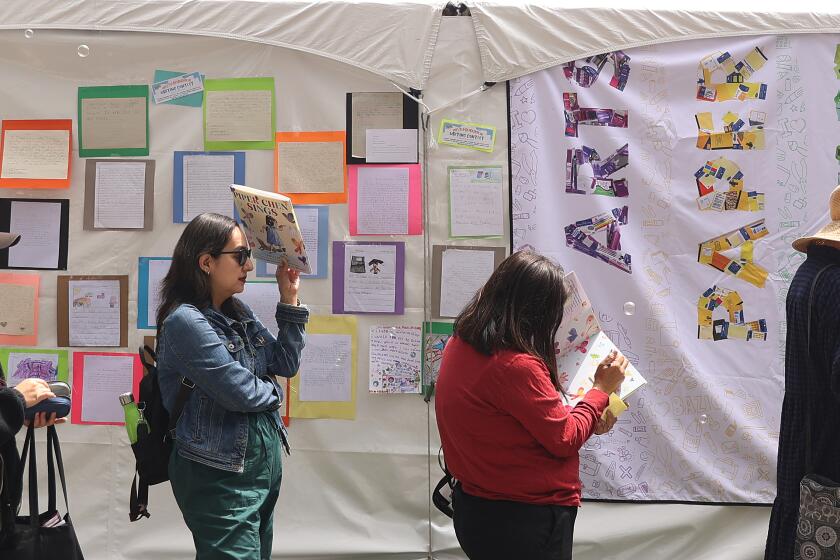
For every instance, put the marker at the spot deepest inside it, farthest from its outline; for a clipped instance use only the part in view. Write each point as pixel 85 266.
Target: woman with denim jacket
pixel 226 468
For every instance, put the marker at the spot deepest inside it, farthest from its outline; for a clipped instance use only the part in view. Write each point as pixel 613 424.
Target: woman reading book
pixel 508 436
pixel 226 467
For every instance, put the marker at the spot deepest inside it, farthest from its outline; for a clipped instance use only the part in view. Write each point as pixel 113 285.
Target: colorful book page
pixel 385 199
pixel 314 222
pixel 99 378
pixel 19 309
pixel 329 358
pixel 309 167
pixel 239 114
pixel 36 154
pixel 113 121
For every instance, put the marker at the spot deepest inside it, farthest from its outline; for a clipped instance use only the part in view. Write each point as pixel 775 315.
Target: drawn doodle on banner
pixel 602 183
pixel 586 72
pixel 735 75
pixel 734 135
pixel 577 115
pixel 735 328
pixel 580 236
pixel 710 253
pixel 736 198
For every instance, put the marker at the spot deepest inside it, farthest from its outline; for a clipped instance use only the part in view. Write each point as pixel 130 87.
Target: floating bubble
pixel 629 308
pixel 29 33
pixel 83 51
pixel 704 418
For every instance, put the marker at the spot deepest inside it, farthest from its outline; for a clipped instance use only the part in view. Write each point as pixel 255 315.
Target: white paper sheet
pixel 391 145
pixel 382 200
pixel 111 123
pixel 105 379
pixel 120 195
pixel 310 167
pixel 17 309
pixel 207 181
pixel 36 154
pixel 94 312
pixel 394 359
pixel 307 219
pixel 238 115
pixel 463 273
pixel 325 368
pixel 262 298
pixel 370 278
pixel 157 271
pixel 23 365
pixel 373 110
pixel 475 202
pixel 39 226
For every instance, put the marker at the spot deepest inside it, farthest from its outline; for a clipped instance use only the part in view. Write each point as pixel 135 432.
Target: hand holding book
pixel 288 282
pixel 610 372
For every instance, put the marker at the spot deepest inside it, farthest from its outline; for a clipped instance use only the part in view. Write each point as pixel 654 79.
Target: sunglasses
pixel 242 255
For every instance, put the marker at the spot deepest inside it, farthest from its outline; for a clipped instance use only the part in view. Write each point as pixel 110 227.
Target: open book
pixel 269 222
pixel 581 345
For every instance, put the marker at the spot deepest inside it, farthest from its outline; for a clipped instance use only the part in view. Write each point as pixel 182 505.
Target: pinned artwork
pixel 736 328
pixel 580 236
pixel 736 198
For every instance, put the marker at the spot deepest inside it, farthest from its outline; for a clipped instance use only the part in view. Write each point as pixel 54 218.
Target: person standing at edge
pixel 226 467
pixel 508 437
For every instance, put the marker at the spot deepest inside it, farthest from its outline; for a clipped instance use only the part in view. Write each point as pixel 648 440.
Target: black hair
pixel 520 308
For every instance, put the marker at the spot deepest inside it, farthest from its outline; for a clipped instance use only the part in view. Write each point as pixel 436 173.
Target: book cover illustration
pixel 269 222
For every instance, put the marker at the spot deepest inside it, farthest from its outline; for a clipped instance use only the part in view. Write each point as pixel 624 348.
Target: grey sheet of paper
pixel 437 268
pixel 17 313
pixel 90 193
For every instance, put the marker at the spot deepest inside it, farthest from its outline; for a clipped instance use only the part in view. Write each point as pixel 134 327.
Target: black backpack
pixel 154 445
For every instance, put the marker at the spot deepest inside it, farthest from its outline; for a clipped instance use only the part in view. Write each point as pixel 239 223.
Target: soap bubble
pixel 704 418
pixel 83 51
pixel 29 33
pixel 629 308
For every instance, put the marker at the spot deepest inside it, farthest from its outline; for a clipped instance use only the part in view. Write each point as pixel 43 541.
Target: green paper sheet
pixel 34 362
pixel 240 85
pixel 101 135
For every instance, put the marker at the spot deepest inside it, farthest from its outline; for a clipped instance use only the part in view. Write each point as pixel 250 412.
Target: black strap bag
pixel 46 535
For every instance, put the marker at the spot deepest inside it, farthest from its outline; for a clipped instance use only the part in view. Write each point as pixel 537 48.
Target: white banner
pixel 673 180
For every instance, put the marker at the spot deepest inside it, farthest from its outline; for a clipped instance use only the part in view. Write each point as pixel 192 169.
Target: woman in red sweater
pixel 508 437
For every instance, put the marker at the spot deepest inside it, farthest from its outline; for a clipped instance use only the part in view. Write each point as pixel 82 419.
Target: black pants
pixel 502 530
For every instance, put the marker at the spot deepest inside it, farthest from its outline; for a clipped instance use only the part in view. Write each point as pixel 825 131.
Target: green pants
pixel 231 514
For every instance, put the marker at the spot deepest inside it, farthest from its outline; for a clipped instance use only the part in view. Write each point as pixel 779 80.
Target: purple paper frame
pixel 338 251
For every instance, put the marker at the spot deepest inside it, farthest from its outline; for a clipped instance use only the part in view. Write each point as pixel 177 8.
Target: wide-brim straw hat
pixel 831 231
pixel 8 239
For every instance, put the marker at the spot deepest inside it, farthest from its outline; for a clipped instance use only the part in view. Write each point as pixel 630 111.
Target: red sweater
pixel 506 432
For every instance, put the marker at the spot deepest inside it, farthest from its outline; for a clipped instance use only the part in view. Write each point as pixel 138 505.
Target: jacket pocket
pixel 202 418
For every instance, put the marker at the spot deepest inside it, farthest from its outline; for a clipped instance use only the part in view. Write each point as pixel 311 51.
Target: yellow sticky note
pixel 616 406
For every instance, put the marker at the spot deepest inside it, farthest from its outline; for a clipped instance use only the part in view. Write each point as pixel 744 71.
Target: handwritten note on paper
pixel 373 110
pixel 391 145
pixel 36 154
pixel 463 273
pixel 325 368
pixel 238 115
pixel 158 268
pixel 475 202
pixel 120 195
pixel 262 298
pixel 17 309
pixel 370 278
pixel 310 167
pixel 94 312
pixel 382 199
pixel 105 379
pixel 113 122
pixel 39 226
pixel 394 359
pixel 207 181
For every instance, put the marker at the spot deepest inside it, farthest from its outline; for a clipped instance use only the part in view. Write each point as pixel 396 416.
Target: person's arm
pixel 283 352
pixel 11 414
pixel 203 358
pixel 524 391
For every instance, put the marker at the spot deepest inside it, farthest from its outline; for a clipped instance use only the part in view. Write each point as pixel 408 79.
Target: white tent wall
pixel 352 489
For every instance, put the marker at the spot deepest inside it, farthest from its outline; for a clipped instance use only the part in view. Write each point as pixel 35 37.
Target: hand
pixel 42 421
pixel 604 425
pixel 610 372
pixel 288 281
pixel 34 391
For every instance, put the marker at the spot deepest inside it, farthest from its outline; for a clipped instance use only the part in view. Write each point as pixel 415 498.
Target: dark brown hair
pixel 519 308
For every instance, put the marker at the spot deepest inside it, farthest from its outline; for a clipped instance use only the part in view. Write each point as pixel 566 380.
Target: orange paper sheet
pixel 310 197
pixel 35 183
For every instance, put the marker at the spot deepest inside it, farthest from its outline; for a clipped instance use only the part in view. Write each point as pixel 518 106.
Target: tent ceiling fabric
pixel 395 40
pixel 517 39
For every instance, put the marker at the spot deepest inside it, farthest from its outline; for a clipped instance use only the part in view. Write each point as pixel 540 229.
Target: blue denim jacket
pixel 231 363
